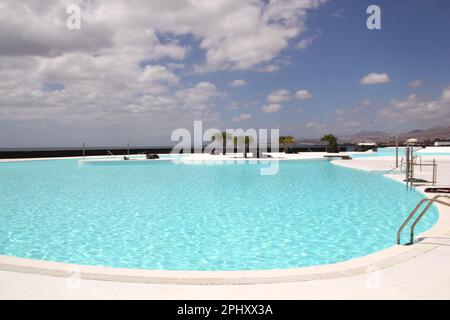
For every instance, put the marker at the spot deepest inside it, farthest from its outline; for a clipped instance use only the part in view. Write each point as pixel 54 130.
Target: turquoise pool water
pixel 381 152
pixel 198 217
pixel 390 152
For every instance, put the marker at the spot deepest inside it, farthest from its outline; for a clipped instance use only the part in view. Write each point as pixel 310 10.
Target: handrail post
pixel 425 210
pixel 434 172
pixel 411 232
pixel 396 151
pixel 411 158
pixel 407 167
pixel 411 215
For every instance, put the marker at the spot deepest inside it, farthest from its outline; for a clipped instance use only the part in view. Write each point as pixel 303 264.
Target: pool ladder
pixel 431 201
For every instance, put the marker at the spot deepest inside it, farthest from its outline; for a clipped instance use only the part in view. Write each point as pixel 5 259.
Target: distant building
pixel 367 144
pixel 412 142
pixel 442 143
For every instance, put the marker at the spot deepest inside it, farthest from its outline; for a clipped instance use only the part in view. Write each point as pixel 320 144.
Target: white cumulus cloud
pixel 272 108
pixel 279 96
pixel 158 73
pixel 242 117
pixel 306 42
pixel 315 125
pixel 303 94
pixel 415 84
pixel 124 68
pixel 375 78
pixel 238 83
pixel 233 106
pixel 418 110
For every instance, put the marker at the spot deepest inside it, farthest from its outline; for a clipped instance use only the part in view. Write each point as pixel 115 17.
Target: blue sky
pixel 142 70
pixel 411 45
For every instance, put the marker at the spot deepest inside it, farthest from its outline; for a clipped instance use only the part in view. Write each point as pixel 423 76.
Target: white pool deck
pixel 420 271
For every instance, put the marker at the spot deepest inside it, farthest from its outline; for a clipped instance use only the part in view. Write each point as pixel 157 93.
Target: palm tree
pixel 245 141
pixel 224 137
pixel 332 142
pixel 286 142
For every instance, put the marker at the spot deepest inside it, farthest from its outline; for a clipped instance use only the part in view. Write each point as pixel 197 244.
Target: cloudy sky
pixel 136 70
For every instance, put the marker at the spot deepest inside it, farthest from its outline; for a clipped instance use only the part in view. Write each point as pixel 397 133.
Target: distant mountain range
pixel 442 133
pixel 371 134
pixel 432 134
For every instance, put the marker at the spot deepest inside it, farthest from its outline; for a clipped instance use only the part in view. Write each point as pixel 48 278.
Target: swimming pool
pixel 381 152
pixel 390 152
pixel 198 217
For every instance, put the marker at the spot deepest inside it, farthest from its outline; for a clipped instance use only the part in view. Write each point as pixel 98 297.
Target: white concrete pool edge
pixel 363 265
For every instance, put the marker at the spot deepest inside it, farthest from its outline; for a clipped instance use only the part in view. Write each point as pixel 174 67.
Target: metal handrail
pixel 411 215
pixel 389 171
pixel 402 161
pixel 420 164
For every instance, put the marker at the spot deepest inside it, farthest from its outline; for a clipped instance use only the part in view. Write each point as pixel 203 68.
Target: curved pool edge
pixel 363 265
pixel 358 266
